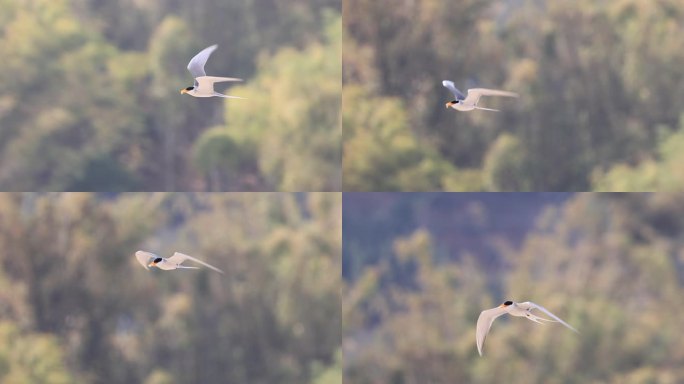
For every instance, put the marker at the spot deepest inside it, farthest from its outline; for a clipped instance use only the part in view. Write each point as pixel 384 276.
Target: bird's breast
pixel 461 107
pixel 166 266
pixel 517 312
pixel 195 93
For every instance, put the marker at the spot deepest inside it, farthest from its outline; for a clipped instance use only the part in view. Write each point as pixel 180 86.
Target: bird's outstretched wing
pixel 484 323
pixel 216 79
pixel 179 258
pixel 144 258
pixel 486 109
pixel 448 84
pixel 228 96
pixel 474 94
pixel 528 305
pixel 196 64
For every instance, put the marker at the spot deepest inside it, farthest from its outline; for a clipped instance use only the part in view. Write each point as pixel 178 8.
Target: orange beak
pixel 152 264
pixel 183 91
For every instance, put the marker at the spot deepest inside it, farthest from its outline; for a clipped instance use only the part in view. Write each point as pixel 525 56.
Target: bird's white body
pixel 149 259
pixel 487 317
pixel 468 103
pixel 194 93
pixel 204 85
pixel 516 310
pixel 461 107
pixel 166 265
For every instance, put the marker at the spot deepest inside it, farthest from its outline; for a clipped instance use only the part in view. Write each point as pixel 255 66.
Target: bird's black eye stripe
pixel 507 303
pixel 189 88
pixel 158 260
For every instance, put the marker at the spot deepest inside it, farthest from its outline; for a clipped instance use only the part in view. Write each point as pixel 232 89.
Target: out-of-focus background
pixel 89 95
pixel 601 85
pixel 77 307
pixel 419 269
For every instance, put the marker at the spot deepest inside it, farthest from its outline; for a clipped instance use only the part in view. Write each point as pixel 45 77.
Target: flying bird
pixel 468 103
pixel 487 317
pixel 204 85
pixel 148 259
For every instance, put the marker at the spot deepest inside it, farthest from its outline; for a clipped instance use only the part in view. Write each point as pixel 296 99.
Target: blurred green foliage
pixel 610 265
pixel 77 307
pixel 302 91
pixel 378 141
pixel 30 357
pixel 89 95
pixel 659 172
pixel 600 82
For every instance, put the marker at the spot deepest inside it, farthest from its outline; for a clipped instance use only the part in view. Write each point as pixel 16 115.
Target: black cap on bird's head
pixel 452 102
pixel 155 261
pixel 507 303
pixel 188 89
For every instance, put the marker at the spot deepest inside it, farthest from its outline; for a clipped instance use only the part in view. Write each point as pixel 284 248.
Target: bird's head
pixel 155 262
pixel 186 90
pixel 506 304
pixel 453 102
